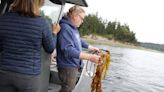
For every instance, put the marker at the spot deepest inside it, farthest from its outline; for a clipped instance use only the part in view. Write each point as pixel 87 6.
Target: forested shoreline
pixel 94 25
pixel 110 30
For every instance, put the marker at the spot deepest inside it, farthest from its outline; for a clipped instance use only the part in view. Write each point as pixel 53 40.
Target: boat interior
pixel 49 74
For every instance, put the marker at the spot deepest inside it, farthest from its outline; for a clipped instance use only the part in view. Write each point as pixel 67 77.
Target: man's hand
pixel 96 59
pixel 93 48
pixel 53 57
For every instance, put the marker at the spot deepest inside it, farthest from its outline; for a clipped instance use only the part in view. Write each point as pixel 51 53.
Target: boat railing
pixel 90 66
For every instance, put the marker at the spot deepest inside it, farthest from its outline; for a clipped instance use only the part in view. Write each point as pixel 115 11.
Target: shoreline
pixel 104 41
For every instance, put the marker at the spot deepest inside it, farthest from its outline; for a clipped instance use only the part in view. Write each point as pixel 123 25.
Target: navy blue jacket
pixel 21 39
pixel 69 45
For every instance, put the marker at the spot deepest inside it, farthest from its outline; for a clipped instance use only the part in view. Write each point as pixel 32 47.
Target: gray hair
pixel 75 10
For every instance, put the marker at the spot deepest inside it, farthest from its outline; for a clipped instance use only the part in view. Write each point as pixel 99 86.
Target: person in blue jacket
pixel 69 49
pixel 23 32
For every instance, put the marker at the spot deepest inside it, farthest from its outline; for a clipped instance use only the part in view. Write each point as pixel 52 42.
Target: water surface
pixel 133 70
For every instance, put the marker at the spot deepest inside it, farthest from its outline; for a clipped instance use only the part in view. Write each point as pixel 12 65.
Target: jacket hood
pixel 67 20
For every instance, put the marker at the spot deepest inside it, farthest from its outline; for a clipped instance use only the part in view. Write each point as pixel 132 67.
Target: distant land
pixel 141 45
pixel 159 47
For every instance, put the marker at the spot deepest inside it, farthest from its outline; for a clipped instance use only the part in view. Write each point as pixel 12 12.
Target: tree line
pixel 112 30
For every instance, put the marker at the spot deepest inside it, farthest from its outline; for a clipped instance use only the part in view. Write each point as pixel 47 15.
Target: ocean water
pixel 133 70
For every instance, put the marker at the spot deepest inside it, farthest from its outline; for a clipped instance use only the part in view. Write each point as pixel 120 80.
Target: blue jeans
pixel 16 82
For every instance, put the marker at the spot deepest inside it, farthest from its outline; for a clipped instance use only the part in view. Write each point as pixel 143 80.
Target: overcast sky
pixel 144 17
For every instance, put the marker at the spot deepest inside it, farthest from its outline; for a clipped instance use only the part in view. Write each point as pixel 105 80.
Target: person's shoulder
pixel 5 14
pixel 64 23
pixel 65 26
pixel 7 17
pixel 43 21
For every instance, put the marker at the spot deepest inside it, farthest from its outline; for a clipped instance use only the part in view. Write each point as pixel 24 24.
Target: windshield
pixel 51 11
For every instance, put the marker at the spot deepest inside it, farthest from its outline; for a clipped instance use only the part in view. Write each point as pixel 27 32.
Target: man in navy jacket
pixel 69 48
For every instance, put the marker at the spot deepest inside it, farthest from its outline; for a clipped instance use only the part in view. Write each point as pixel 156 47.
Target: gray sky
pixel 144 17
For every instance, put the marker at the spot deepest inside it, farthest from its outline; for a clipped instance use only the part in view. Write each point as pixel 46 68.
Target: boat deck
pixel 83 84
pixel 54 87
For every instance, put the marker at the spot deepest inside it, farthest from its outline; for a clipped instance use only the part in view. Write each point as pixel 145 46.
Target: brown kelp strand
pixel 101 71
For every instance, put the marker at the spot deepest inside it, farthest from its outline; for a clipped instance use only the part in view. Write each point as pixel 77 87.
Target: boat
pixel 50 82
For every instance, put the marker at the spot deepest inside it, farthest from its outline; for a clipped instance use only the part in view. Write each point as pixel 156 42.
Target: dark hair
pixel 27 7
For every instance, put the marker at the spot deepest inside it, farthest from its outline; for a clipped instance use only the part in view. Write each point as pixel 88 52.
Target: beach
pixel 104 41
